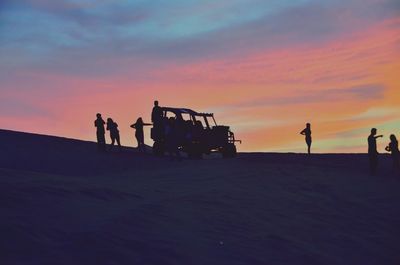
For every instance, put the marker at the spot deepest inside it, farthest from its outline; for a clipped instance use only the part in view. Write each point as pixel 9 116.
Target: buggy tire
pixel 158 148
pixel 229 151
pixel 195 152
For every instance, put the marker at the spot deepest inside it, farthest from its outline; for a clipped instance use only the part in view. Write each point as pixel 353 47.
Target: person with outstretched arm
pixel 139 134
pixel 373 151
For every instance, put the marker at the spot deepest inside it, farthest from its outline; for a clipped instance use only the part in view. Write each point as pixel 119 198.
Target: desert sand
pixel 62 202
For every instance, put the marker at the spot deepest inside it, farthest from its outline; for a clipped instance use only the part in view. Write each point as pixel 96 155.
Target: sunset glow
pixel 263 67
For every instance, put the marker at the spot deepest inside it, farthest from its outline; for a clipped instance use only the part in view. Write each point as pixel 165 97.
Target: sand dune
pixel 64 203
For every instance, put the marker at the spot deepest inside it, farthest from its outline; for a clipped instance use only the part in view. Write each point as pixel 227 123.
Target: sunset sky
pixel 263 67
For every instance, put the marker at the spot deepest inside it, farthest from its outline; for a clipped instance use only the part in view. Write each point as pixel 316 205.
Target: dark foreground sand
pixel 63 203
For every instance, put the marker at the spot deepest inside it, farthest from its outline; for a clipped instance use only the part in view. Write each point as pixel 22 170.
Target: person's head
pixel 373 131
pixel 308 125
pixel 393 138
pixel 156 103
pixel 98 115
pixel 139 120
pixel 109 120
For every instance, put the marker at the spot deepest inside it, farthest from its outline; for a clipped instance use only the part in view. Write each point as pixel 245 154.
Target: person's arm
pixel 133 126
pixel 378 136
pixel 303 132
pixel 387 148
pixel 147 124
pixel 95 125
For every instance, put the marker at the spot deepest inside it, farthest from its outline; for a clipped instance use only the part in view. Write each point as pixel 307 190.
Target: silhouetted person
pixel 373 151
pixel 100 132
pixel 157 120
pixel 114 132
pixel 156 114
pixel 393 147
pixel 139 134
pixel 307 133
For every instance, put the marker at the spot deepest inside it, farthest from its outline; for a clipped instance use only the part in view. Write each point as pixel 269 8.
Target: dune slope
pixel 64 203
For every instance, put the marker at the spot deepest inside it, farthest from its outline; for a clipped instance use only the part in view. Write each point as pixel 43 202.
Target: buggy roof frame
pixel 186 111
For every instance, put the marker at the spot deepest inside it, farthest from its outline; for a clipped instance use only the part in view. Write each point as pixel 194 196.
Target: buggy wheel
pixel 229 151
pixel 158 148
pixel 195 152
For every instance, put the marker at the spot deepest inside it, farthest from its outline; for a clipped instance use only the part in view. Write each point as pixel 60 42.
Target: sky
pixel 265 68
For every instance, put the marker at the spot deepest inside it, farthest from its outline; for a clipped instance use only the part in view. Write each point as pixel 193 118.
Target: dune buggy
pixel 194 133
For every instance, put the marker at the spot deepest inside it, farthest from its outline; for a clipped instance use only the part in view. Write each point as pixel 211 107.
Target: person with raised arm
pixel 373 151
pixel 307 133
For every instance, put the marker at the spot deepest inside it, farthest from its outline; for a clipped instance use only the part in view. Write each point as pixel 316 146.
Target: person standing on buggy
pixel 100 132
pixel 139 134
pixel 393 147
pixel 157 119
pixel 114 132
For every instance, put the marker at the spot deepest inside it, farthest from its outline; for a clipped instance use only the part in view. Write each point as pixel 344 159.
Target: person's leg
pixel 142 146
pixel 308 142
pixel 112 142
pixel 118 140
pixel 98 140
pixel 138 141
pixel 101 141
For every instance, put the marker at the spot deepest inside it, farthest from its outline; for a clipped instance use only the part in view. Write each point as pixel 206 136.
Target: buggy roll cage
pixel 193 114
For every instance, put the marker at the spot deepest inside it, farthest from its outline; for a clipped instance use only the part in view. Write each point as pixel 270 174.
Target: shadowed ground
pixel 63 203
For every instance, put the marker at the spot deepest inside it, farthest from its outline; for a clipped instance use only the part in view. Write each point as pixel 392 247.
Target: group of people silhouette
pixel 167 125
pixel 158 122
pixel 392 147
pixel 373 154
pixel 100 132
pixel 112 126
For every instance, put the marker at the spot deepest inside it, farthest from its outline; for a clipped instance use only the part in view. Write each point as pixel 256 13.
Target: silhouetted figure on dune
pixel 393 147
pixel 114 132
pixel 100 132
pixel 156 114
pixel 157 120
pixel 373 151
pixel 139 134
pixel 307 133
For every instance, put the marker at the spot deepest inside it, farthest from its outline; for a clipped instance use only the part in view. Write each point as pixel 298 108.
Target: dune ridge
pixel 64 203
